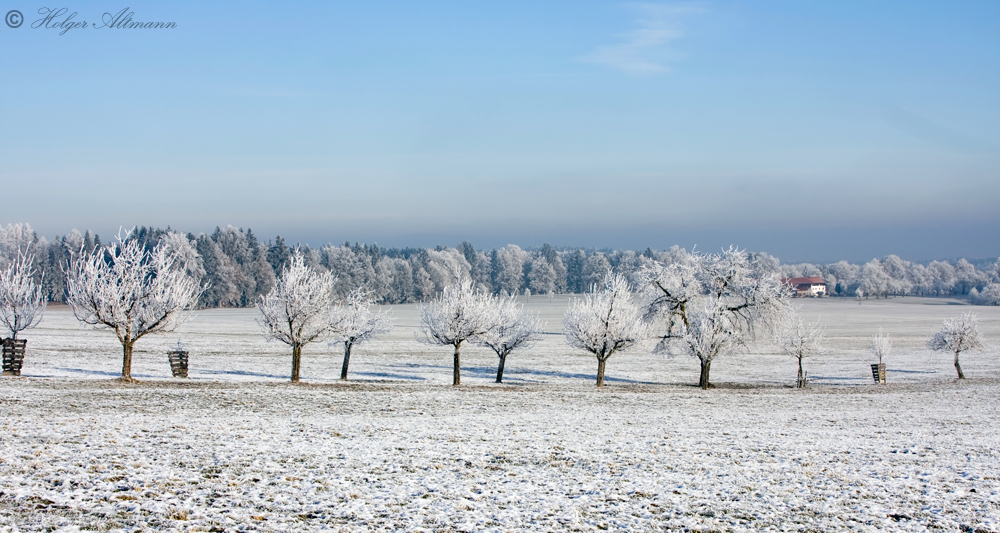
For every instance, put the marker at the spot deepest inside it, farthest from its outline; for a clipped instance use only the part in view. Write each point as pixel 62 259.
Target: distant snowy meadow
pixel 236 447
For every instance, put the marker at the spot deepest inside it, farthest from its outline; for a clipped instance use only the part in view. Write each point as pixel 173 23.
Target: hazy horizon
pixel 793 253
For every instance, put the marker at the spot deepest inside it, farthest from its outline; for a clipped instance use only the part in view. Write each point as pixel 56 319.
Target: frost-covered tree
pixel 394 276
pixel 13 239
pixel 595 268
pixel 990 295
pixel 351 270
pixel 874 280
pixel 966 276
pixel 423 285
pixel 481 269
pixel 313 259
pixel 299 309
pixel 458 315
pixel 675 254
pixel 942 277
pixel 244 265
pixel 185 252
pixel 707 334
pixel 709 304
pixel 220 273
pixel 800 270
pixel 629 264
pixel 957 335
pixel 446 266
pixel 508 328
pixel 881 346
pixel 846 275
pixel 897 272
pixel 800 340
pixel 552 256
pixel 21 299
pixel 354 323
pixel 920 277
pixel 604 321
pixel 542 277
pixel 508 269
pixel 130 290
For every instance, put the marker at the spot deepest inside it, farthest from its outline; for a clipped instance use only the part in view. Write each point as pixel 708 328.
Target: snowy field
pixel 236 447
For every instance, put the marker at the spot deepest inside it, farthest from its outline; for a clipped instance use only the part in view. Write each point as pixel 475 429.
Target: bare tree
pixel 21 300
pixel 354 324
pixel 508 328
pixel 800 340
pixel 132 291
pixel 957 335
pixel 709 304
pixel 604 321
pixel 299 309
pixel 458 315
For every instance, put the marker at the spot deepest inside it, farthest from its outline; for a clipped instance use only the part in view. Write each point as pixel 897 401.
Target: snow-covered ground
pixel 236 447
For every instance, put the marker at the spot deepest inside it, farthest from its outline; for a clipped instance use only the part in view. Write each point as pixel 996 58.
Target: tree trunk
pixel 347 361
pixel 127 360
pixel 457 372
pixel 799 384
pixel 600 372
pixel 706 366
pixel 958 367
pixel 296 362
pixel 503 358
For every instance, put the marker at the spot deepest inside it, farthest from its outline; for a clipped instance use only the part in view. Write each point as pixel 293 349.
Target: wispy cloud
pixel 646 48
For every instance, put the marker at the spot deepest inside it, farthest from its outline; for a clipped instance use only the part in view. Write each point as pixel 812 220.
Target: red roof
pixel 804 281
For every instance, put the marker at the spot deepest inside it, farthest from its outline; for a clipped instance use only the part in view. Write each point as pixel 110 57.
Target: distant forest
pixel 238 267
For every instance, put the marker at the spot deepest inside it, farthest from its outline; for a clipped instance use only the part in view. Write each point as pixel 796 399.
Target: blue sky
pixel 814 131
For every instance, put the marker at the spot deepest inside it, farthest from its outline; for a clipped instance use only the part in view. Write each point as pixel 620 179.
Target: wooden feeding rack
pixel 13 356
pixel 178 363
pixel 878 373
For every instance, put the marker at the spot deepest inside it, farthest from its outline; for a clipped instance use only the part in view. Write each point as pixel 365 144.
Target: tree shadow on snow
pixel 514 375
pixel 389 375
pixel 96 373
pixel 738 385
pixel 444 370
pixel 243 373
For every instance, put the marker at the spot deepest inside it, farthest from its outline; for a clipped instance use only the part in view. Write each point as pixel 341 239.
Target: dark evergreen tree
pixel 91 242
pixel 469 251
pixel 575 261
pixel 53 267
pixel 278 255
